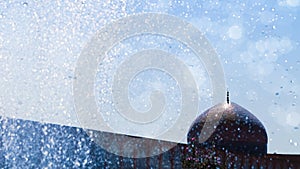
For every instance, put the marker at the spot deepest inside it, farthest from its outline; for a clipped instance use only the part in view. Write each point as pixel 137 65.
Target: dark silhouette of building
pixel 224 136
pixel 237 130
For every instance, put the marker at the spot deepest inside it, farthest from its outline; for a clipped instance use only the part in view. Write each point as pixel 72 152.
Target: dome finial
pixel 227 97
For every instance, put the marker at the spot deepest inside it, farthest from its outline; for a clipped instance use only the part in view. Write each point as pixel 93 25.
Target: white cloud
pixel 293 119
pixel 262 54
pixel 235 32
pixel 285 115
pixel 272 45
pixel 271 48
pixel 267 17
pixel 291 3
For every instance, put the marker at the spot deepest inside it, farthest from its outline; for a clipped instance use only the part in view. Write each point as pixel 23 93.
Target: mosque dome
pixel 228 126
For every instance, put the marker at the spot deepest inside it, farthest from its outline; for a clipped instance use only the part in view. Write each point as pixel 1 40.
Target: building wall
pixel 28 144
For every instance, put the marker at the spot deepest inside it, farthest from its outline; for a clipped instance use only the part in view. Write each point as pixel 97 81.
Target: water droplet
pixel 77 163
pixel 25 4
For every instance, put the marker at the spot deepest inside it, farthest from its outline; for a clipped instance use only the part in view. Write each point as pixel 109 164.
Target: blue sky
pixel 258 43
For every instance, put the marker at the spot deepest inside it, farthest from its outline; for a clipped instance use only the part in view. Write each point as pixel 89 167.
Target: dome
pixel 228 126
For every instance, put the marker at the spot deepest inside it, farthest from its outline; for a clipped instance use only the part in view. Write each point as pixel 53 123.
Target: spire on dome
pixel 228 100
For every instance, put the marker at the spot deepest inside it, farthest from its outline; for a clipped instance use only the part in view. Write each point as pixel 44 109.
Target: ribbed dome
pixel 230 127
